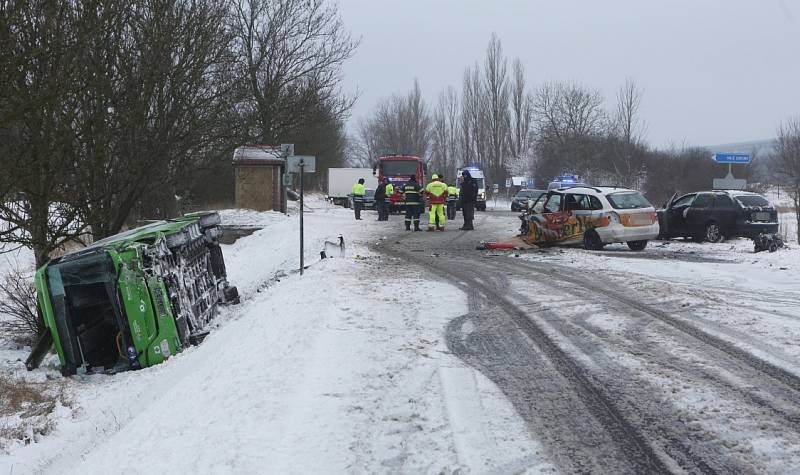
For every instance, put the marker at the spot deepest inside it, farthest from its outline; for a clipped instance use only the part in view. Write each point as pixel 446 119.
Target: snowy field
pixel 341 370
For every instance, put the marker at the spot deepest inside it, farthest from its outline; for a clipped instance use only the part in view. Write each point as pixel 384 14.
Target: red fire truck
pixel 398 170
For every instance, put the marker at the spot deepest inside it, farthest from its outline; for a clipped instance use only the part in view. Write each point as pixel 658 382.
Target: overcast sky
pixel 713 71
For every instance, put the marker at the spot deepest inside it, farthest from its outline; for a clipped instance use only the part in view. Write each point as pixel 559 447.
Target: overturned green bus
pixel 134 299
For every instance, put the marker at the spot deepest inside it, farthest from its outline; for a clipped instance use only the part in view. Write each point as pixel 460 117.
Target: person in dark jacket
pixel 380 201
pixel 412 194
pixel 468 197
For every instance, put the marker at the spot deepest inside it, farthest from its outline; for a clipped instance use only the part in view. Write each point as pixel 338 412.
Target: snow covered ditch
pixel 343 369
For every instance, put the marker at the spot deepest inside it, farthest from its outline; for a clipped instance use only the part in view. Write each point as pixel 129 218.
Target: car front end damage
pixel 569 228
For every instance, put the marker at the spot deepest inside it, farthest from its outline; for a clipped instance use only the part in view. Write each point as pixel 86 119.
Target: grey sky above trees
pixel 712 72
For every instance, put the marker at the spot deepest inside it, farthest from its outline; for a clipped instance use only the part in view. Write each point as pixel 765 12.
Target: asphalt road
pixel 607 379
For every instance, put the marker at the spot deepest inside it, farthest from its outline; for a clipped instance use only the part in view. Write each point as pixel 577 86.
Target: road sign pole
pixel 301 217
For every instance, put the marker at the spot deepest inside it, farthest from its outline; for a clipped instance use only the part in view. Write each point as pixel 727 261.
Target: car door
pixel 553 217
pixel 578 213
pixel 725 214
pixel 699 213
pixel 676 215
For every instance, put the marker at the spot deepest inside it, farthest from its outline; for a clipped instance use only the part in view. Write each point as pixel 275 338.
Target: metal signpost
pixel 729 182
pixel 301 164
pixel 287 150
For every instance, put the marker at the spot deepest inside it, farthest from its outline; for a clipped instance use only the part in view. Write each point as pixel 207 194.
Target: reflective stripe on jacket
pixel 452 193
pixel 437 191
pixel 411 193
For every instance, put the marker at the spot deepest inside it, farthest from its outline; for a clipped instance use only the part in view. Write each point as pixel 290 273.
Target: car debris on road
pixel 767 242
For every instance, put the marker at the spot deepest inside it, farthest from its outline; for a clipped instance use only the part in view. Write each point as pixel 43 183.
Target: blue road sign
pixel 736 157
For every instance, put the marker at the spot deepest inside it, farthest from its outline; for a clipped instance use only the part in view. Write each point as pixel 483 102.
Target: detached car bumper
pixel 618 233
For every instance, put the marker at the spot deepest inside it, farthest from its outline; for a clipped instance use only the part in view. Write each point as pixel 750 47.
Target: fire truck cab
pixel 398 170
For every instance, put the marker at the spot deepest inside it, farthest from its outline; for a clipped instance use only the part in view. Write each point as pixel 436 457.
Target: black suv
pixel 714 215
pixel 520 200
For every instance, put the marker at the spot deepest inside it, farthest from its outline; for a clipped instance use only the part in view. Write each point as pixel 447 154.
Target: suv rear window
pixel 752 200
pixel 628 200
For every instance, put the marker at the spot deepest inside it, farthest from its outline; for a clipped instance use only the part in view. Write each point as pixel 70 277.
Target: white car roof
pixel 594 190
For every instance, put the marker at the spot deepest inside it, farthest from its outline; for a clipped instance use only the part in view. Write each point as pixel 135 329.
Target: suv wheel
pixel 591 241
pixel 637 245
pixel 713 233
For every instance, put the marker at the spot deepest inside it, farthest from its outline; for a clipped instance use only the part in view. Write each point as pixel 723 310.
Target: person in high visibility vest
pixel 412 195
pixel 437 194
pixel 389 193
pixel 452 197
pixel 358 197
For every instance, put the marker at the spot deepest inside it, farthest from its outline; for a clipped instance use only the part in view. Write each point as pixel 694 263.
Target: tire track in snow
pixel 566 275
pixel 583 428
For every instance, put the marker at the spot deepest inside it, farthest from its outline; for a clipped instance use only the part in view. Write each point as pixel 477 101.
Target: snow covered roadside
pixel 341 370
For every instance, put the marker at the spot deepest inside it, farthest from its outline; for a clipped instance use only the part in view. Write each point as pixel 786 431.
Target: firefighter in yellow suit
pixel 437 194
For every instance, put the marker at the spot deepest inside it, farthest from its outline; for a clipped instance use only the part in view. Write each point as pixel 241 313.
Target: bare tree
pixel 290 55
pixel 416 121
pixel 520 128
pixel 496 120
pixel 628 128
pixel 38 52
pixel 569 118
pixel 357 152
pixel 787 162
pixel 446 133
pixel 399 124
pixel 473 110
pixel 521 111
pixel 18 306
pixel 154 87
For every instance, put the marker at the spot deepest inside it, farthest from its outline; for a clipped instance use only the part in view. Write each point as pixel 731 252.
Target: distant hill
pixel 759 148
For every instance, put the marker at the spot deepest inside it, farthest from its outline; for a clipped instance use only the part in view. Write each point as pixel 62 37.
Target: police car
pixel 564 181
pixel 591 216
